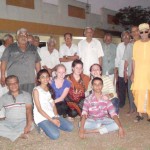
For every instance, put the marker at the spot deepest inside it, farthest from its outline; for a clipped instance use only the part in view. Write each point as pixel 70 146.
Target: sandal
pixel 148 119
pixel 138 118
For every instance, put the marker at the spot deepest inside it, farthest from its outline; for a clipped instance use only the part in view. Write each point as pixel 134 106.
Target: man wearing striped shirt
pixel 18 111
pixel 96 111
pixel 108 88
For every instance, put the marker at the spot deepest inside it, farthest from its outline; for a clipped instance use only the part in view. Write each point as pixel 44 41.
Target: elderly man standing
pixel 7 40
pixel 21 59
pixel 37 43
pixel 141 73
pixel 68 52
pixel 18 108
pixel 127 57
pixel 31 39
pixel 109 49
pixel 119 66
pixel 49 56
pixel 90 51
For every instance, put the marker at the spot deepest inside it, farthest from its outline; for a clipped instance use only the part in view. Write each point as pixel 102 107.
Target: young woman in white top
pixel 45 112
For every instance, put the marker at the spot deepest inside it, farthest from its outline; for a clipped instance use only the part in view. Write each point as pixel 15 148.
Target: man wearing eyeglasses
pixel 141 73
pixel 21 59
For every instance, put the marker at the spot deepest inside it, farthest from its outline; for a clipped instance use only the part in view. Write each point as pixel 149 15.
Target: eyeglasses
pixel 142 32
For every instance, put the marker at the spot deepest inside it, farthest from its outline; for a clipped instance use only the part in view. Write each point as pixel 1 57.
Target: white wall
pixel 44 13
pixel 96 5
pixel 51 14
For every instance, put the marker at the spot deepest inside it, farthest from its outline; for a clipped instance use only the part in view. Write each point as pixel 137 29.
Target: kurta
pixel 141 83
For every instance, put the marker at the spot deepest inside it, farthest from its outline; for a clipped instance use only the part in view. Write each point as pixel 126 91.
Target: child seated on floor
pixel 96 113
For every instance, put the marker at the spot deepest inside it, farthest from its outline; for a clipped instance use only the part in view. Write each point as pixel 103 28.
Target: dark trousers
pixel 122 89
pixel 115 102
pixel 130 96
pixel 75 109
pixel 62 108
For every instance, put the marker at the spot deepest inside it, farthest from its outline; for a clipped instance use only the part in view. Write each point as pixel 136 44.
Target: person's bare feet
pixel 130 112
pixel 70 119
pixel 24 136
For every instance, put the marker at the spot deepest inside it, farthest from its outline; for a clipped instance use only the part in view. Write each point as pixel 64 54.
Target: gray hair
pixel 21 31
pixel 7 36
pixel 51 40
pixel 87 29
pixel 126 31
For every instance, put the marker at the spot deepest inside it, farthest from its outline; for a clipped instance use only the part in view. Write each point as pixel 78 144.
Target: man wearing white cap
pixel 141 73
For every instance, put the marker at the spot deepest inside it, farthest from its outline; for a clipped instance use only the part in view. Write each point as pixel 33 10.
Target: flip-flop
pixel 138 118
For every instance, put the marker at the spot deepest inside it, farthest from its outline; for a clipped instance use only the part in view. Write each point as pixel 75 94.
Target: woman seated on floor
pixel 45 112
pixel 61 88
pixel 79 84
pixel 108 88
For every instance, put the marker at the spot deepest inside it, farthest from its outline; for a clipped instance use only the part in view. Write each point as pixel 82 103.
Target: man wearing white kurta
pixel 90 51
pixel 68 52
pixel 49 56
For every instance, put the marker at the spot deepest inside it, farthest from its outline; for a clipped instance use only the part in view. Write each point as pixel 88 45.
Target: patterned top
pixel 98 109
pixel 108 86
pixel 78 88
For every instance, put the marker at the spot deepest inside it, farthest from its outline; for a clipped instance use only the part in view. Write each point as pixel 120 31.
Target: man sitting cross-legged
pixel 18 109
pixel 96 113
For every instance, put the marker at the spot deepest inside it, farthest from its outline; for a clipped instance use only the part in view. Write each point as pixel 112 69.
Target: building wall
pixel 44 13
pixel 50 15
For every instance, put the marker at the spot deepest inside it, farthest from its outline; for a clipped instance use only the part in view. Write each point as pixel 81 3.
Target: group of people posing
pixel 88 80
